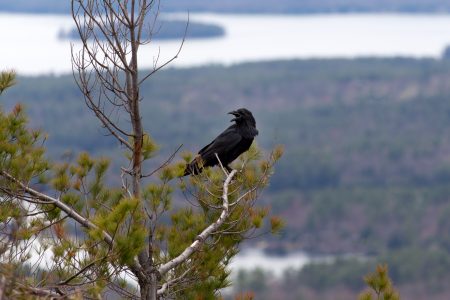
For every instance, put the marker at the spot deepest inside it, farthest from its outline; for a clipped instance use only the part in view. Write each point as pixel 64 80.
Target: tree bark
pixel 149 284
pixel 2 287
pixel 149 287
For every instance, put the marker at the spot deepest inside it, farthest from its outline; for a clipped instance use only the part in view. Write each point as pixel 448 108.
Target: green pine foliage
pixel 7 80
pixel 23 157
pixel 21 151
pixel 81 184
pixel 380 284
pixel 210 263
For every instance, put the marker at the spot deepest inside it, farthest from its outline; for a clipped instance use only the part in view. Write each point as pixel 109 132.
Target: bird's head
pixel 243 115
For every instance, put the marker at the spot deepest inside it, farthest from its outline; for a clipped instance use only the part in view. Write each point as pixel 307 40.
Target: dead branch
pixel 164 164
pixel 163 269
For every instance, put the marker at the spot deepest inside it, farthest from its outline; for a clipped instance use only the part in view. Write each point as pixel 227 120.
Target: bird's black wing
pixel 222 145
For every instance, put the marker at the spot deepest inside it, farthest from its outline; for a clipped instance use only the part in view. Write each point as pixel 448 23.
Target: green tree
pixel 380 284
pixel 7 80
pixel 67 233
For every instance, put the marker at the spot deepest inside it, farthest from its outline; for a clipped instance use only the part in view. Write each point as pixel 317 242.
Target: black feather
pixel 231 143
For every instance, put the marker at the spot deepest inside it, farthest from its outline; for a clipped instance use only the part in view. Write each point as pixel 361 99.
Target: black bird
pixel 231 143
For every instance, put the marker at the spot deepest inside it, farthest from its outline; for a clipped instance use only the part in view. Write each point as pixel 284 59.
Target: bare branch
pixel 220 163
pixel 166 285
pixel 45 199
pixel 82 270
pixel 156 69
pixel 171 157
pixel 44 292
pixel 163 269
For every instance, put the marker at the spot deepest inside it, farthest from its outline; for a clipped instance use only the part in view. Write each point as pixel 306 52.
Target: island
pixel 167 29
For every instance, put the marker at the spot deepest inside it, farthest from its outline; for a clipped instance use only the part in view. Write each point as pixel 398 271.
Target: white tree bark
pixel 163 269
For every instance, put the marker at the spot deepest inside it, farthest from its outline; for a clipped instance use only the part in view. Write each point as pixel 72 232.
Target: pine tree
pixel 66 233
pixel 380 284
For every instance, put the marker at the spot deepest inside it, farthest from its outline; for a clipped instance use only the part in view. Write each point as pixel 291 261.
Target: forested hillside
pixel 367 163
pixel 255 6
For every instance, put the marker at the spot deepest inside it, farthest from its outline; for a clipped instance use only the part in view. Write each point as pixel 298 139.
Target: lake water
pixel 250 259
pixel 30 44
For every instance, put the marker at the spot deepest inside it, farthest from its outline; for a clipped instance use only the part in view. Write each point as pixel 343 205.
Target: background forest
pixel 365 171
pixel 365 178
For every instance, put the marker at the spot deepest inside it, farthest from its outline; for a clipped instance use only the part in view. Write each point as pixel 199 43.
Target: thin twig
pixel 171 157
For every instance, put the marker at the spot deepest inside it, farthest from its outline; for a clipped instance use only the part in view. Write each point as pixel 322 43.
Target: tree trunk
pixel 149 288
pixel 2 287
pixel 153 287
pixel 148 285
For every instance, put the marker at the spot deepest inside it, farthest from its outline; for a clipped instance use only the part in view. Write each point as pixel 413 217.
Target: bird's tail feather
pixel 195 167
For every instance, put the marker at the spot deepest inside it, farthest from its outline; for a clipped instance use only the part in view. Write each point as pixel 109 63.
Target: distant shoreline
pixel 247 38
pixel 287 7
pixel 290 13
pixel 167 30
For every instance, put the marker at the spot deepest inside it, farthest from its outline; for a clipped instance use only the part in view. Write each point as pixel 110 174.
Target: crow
pixel 231 143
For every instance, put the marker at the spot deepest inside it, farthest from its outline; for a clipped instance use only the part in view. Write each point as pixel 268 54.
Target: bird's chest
pixel 243 146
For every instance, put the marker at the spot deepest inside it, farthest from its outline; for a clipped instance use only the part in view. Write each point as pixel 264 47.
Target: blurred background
pixel 358 92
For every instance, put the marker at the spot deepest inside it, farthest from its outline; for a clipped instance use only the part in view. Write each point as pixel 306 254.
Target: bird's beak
pixel 234 113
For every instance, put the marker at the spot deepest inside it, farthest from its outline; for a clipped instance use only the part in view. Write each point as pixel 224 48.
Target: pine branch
pixel 58 203
pixel 163 269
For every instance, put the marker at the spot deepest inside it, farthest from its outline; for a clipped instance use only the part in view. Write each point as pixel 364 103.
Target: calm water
pixel 250 259
pixel 29 43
